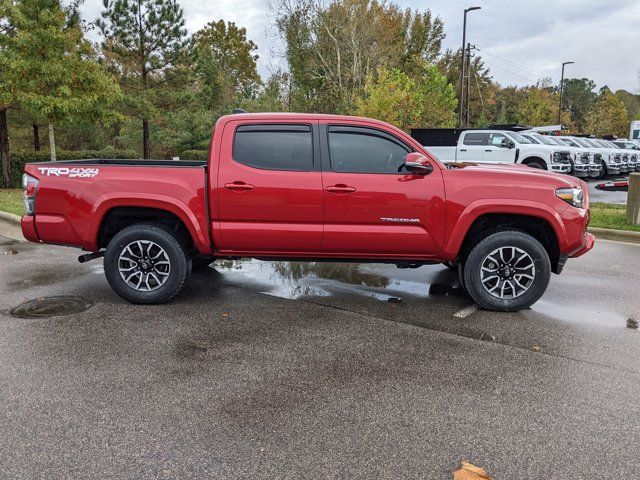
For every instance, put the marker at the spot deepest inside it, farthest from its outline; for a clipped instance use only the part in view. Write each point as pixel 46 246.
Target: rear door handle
pixel 238 186
pixel 341 188
pixel 488 150
pixel 463 149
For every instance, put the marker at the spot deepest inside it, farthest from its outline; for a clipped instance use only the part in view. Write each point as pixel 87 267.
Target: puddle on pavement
pixel 583 314
pixel 382 282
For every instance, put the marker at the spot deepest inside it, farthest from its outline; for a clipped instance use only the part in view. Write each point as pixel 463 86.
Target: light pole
pixel 464 44
pixel 561 89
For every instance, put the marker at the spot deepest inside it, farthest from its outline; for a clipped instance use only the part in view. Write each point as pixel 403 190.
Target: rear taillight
pixel 29 192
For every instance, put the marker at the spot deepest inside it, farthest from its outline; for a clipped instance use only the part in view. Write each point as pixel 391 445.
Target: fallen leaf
pixel 470 472
pixel 536 348
pixel 11 252
pixel 632 323
pixel 225 314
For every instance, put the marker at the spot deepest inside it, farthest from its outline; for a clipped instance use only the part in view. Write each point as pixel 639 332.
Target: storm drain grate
pixel 47 307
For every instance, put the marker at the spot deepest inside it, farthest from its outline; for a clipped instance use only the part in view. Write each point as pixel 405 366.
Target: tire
pixel 146 264
pixel 514 286
pixel 539 164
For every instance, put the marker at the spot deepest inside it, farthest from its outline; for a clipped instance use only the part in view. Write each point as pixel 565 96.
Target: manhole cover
pixel 46 307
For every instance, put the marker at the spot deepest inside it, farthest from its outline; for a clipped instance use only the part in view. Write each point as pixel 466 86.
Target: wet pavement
pixel 305 370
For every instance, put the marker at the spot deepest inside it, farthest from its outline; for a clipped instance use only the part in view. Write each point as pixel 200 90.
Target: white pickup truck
pixel 492 146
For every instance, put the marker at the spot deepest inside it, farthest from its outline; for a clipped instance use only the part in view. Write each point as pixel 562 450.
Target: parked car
pixel 315 187
pixel 581 159
pixel 597 166
pixel 633 152
pixel 492 146
pixel 615 155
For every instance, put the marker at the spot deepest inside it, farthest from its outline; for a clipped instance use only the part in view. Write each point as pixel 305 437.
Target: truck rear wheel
pixel 146 263
pixel 507 271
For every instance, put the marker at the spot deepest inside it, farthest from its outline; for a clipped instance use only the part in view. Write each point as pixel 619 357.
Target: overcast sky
pixel 520 41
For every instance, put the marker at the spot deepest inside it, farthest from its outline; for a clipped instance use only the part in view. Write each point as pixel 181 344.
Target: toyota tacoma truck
pixel 492 146
pixel 317 188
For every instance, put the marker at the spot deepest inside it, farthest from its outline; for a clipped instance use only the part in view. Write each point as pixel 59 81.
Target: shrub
pixel 194 155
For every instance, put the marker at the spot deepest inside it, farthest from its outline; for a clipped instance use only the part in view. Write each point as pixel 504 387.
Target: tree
pixel 538 108
pixel 227 59
pixel 424 101
pixel 482 90
pixel 54 73
pixel 578 98
pixel 7 97
pixel 631 102
pixel 332 48
pixel 609 116
pixel 143 39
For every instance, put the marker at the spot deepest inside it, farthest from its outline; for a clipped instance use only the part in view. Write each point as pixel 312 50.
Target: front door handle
pixel 341 188
pixel 238 186
pixel 489 151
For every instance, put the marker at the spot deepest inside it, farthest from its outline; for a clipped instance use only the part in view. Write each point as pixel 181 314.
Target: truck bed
pixel 121 161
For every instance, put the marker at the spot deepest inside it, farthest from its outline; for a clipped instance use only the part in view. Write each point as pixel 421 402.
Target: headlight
pixel 573 196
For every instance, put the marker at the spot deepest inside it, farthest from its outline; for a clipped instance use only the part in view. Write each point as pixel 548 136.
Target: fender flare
pixel 476 209
pixel 535 157
pixel 108 202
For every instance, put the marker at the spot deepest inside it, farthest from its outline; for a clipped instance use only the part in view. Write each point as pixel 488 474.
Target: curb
pixel 619 235
pixel 11 218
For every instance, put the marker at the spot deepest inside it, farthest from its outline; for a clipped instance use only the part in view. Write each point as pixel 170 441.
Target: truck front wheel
pixel 146 263
pixel 507 271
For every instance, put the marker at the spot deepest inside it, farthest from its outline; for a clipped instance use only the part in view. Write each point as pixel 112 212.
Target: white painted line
pixel 465 312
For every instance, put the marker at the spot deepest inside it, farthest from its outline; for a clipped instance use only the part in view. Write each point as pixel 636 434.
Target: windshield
pixel 530 138
pixel 518 138
pixel 610 144
pixel 593 143
pixel 544 140
pixel 570 142
pixel 601 143
pixel 581 142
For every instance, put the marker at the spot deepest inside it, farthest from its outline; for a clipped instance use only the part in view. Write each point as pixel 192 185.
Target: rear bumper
pixel 28 224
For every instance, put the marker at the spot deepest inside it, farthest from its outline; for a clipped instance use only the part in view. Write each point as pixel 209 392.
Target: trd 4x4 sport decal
pixel 75 172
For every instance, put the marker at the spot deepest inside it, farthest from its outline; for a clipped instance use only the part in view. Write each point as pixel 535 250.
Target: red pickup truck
pixel 314 187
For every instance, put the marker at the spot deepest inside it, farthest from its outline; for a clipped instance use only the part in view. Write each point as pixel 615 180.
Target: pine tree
pixel 7 98
pixel 143 38
pixel 54 73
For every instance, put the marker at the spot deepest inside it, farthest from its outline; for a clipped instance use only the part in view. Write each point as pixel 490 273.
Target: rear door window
pixel 274 147
pixel 476 138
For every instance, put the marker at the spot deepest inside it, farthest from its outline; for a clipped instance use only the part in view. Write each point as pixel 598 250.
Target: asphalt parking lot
pixel 619 198
pixel 287 370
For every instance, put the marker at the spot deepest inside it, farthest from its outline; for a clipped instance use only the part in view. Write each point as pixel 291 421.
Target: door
pixel 495 152
pixel 472 147
pixel 373 206
pixel 269 189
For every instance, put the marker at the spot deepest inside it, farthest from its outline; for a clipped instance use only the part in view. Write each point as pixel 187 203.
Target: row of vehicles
pixel 580 156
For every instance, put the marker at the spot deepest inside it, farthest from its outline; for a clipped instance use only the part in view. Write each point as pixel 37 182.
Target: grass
pixel 11 201
pixel 603 215
pixel 606 215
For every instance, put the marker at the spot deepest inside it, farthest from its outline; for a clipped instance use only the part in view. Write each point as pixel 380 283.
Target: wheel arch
pixel 539 221
pixel 112 215
pixel 535 158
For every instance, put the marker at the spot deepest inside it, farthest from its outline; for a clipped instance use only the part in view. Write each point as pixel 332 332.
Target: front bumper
pixel 613 169
pixel 589 242
pixel 581 170
pixel 561 167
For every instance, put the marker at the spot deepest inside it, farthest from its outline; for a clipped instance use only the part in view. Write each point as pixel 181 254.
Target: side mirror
pixel 506 143
pixel 417 164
